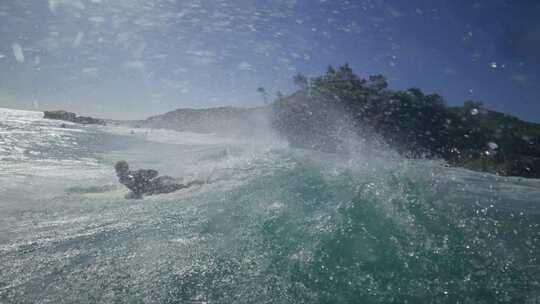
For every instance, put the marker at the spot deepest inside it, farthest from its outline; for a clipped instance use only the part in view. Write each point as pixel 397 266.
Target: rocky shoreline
pixel 513 165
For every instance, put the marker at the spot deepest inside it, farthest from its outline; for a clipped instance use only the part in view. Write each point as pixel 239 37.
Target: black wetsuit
pixel 147 182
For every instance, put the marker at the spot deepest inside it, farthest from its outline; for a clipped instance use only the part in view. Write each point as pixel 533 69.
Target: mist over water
pixel 274 224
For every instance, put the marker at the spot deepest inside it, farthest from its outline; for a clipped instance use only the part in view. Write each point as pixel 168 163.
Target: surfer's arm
pixel 195 182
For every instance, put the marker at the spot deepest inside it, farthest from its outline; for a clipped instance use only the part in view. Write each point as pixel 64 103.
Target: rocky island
pixel 72 117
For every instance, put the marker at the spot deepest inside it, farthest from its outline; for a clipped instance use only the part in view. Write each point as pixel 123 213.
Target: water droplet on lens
pixel 493 146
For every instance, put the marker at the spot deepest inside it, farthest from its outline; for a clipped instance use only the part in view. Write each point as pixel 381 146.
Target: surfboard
pixel 99 192
pixel 114 194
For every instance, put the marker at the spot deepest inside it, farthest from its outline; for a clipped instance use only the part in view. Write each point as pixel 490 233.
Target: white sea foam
pixel 174 137
pixel 263 213
pixel 31 146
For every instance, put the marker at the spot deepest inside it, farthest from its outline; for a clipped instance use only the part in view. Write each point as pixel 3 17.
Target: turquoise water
pixel 274 225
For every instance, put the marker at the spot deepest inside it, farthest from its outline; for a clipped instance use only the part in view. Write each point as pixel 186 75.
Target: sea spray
pixel 275 225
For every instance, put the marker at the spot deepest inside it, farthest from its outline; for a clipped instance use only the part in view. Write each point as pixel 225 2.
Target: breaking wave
pixel 275 225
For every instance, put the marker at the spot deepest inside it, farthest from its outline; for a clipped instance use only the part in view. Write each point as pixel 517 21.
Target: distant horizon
pixel 116 118
pixel 220 106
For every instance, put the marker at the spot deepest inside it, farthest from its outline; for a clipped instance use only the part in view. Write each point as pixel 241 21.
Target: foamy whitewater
pixel 273 225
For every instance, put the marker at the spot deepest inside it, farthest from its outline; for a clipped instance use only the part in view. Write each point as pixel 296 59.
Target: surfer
pixel 147 182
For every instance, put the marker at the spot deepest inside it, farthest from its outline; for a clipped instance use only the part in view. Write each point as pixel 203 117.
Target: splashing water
pixel 274 225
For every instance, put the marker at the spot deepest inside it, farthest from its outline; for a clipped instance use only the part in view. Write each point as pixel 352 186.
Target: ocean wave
pixel 273 224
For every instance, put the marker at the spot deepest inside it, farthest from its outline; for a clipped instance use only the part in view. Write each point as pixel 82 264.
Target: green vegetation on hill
pixel 494 120
pixel 415 124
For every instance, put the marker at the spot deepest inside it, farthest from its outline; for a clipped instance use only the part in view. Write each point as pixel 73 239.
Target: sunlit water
pixel 274 224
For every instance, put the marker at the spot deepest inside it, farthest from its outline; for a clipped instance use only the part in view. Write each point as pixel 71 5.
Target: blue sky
pixel 135 58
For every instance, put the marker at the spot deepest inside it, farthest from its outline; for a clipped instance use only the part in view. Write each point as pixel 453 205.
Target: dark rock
pixel 89 120
pixel 72 117
pixel 60 115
